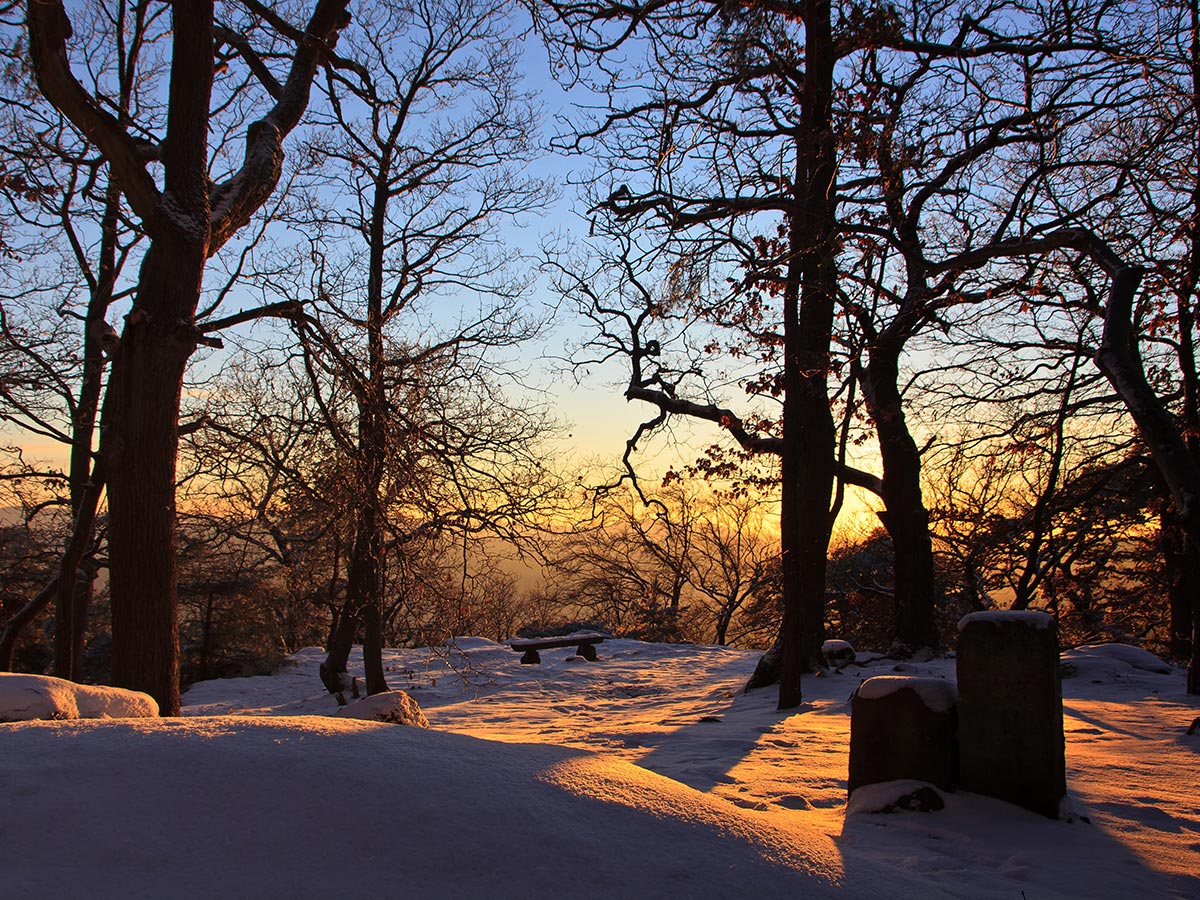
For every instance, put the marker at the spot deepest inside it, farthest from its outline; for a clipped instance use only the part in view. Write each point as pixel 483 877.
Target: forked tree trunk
pixel 142 402
pixel 905 516
pixel 361 606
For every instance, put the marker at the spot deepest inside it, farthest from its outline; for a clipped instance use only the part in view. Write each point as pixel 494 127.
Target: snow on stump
pixel 27 697
pixel 396 707
pixel 903 728
pixel 1010 715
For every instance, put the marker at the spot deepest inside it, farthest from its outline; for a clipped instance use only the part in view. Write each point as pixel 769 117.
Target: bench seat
pixel 584 642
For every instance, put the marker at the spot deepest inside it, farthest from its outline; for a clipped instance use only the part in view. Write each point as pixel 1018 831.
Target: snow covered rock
pixel 1007 617
pixel 1134 657
pixel 837 654
pixel 396 707
pixel 895 796
pixel 936 694
pixel 26 697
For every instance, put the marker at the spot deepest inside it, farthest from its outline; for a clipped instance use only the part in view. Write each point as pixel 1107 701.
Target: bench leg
pixel 531 658
pixel 587 651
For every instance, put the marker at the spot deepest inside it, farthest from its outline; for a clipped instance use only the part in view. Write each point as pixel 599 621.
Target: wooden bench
pixel 584 641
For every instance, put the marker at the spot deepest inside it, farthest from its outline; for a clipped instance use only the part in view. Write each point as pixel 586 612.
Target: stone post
pixel 1010 718
pixel 903 728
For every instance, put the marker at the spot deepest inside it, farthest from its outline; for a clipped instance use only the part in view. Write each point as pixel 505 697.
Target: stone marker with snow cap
pixel 1010 715
pixel 903 728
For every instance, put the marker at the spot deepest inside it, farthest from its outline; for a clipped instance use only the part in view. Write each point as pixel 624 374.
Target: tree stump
pixel 903 728
pixel 1010 716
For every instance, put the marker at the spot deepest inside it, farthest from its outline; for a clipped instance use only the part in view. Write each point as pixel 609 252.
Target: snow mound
pixel 393 707
pixel 26 697
pixel 257 804
pixel 1134 657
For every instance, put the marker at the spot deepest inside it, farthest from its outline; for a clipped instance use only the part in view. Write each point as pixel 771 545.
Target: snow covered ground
pixel 643 775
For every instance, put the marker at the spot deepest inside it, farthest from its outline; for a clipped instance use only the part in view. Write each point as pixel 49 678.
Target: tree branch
pixel 235 201
pixel 49 29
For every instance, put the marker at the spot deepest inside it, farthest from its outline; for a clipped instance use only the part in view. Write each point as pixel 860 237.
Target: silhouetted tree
pixel 187 218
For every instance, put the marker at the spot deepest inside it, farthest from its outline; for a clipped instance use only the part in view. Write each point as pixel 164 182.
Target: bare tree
pixel 63 205
pixel 422 147
pixel 734 568
pixel 187 217
pixel 733 144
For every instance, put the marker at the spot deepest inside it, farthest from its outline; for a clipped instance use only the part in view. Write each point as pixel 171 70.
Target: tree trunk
pixel 723 619
pixel 337 656
pixel 364 590
pixel 74 590
pixel 1118 358
pixel 373 650
pixel 142 400
pixel 360 605
pixel 809 434
pixel 1185 296
pixel 206 638
pixel 86 477
pixel 1193 676
pixel 1182 571
pixel 140 443
pixel 905 516
pixel 81 605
